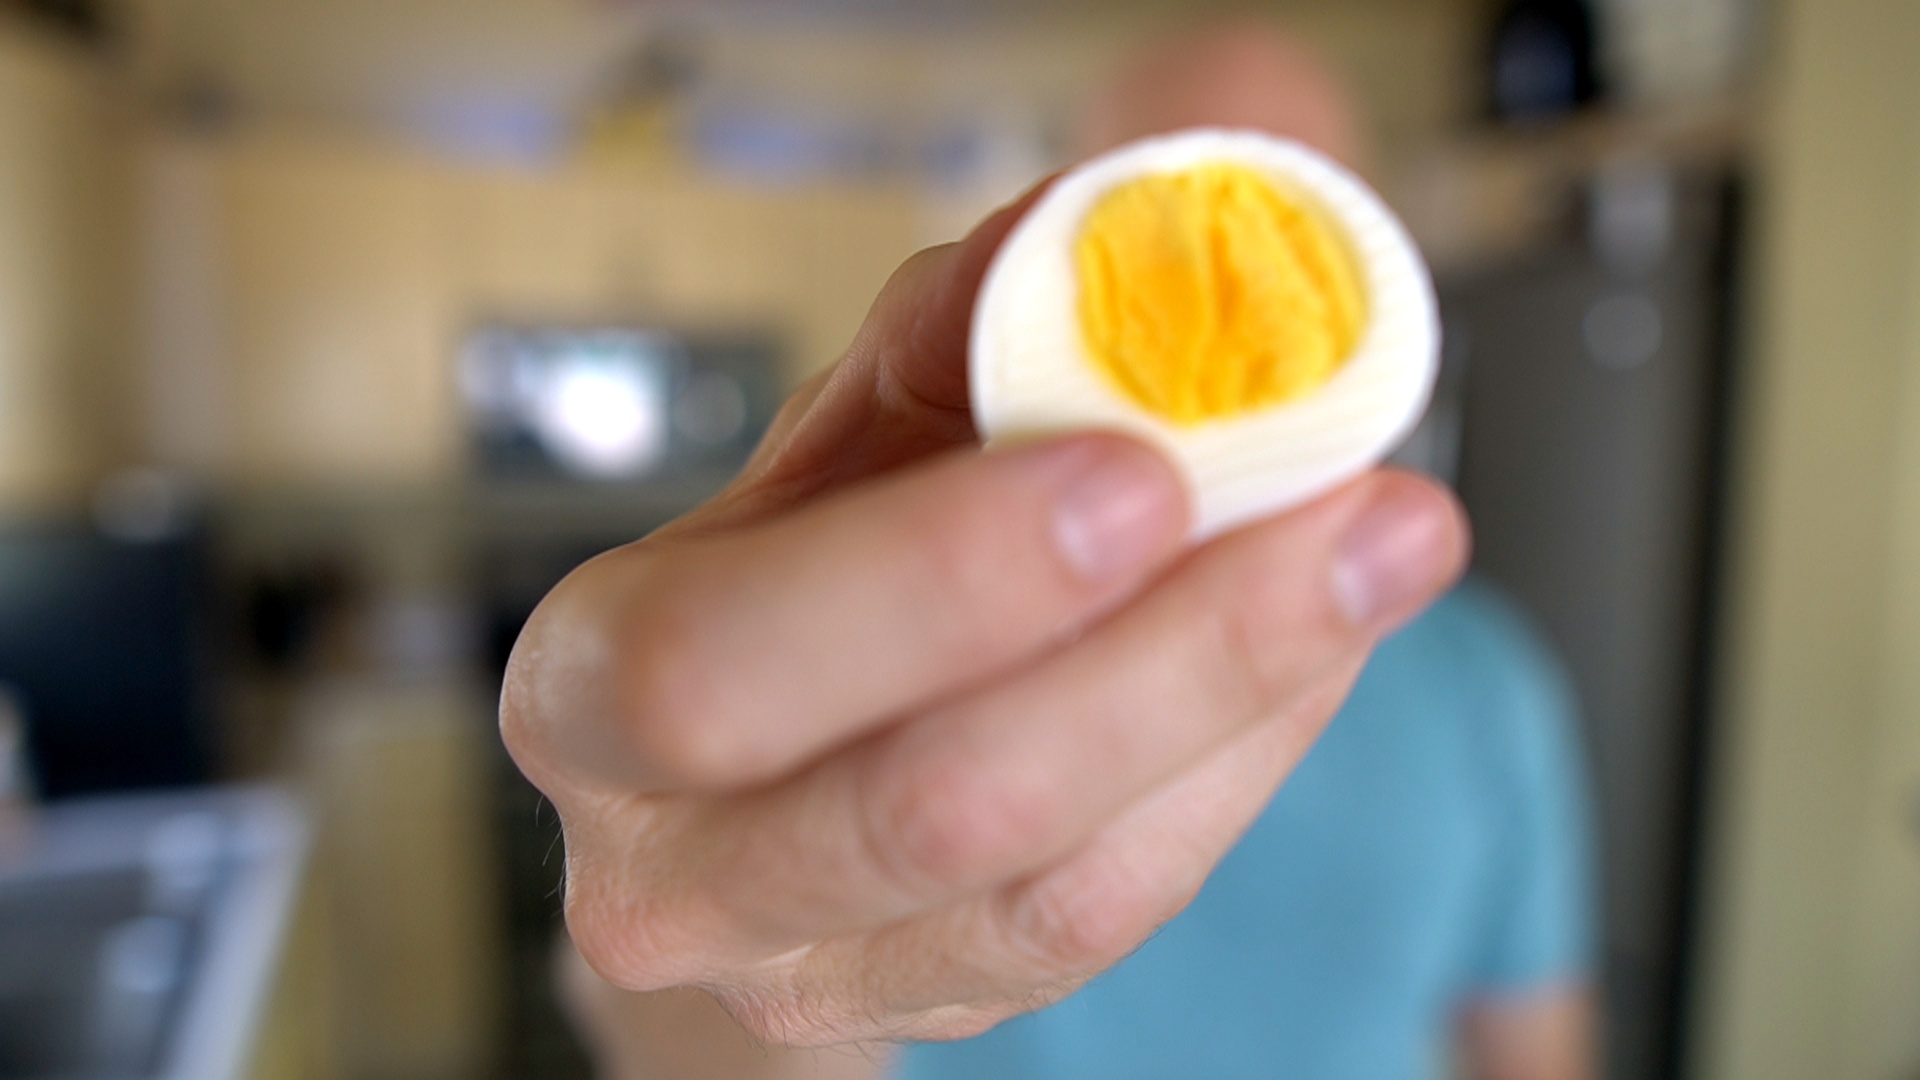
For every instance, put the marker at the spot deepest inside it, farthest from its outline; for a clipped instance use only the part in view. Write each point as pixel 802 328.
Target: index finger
pixel 727 659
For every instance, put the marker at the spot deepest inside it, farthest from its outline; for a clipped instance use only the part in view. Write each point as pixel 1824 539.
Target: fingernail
pixel 1118 513
pixel 1396 555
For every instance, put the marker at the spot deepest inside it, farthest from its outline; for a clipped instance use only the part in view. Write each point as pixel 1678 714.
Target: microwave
pixel 614 403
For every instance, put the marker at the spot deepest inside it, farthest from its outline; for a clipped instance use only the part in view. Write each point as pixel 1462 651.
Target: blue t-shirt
pixel 1432 847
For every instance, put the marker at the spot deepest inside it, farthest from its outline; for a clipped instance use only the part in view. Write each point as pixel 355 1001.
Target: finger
pixel 1082 916
pixel 784 422
pixel 730 660
pixel 685 1033
pixel 958 971
pixel 1003 782
pixel 750 497
pixel 901 391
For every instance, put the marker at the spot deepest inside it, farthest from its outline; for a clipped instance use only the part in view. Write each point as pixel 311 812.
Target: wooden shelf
pixel 1488 195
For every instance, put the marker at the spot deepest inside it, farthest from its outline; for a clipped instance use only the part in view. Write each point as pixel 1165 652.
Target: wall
pixel 372 62
pixel 337 275
pixel 1813 917
pixel 61 244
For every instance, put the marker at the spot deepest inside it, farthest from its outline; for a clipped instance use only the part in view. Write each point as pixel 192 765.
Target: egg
pixel 1236 299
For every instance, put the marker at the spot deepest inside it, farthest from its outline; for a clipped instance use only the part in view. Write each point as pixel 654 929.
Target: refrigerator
pixel 1594 375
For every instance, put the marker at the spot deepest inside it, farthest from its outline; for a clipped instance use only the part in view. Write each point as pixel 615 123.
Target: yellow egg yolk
pixel 1210 292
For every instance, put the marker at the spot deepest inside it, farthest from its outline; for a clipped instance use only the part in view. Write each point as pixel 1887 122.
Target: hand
pixel 897 738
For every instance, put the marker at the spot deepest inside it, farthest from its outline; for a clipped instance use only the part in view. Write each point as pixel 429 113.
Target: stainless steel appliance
pixel 1596 387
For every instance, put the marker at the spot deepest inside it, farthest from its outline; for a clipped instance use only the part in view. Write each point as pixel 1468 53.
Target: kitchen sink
pixel 139 934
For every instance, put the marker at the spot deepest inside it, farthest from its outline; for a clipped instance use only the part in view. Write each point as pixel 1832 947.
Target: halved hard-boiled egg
pixel 1236 299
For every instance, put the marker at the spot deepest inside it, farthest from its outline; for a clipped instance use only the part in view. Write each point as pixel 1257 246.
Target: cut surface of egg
pixel 1236 299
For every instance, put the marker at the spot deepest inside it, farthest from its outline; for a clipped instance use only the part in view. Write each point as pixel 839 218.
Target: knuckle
pixel 1263 642
pixel 1244 633
pixel 915 267
pixel 905 290
pixel 957 547
pixel 1079 924
pixel 617 942
pixel 524 710
pixel 953 1023
pixel 763 1017
pixel 897 307
pixel 792 1020
pixel 622 928
pixel 953 826
pixel 517 727
pixel 619 658
pixel 968 1024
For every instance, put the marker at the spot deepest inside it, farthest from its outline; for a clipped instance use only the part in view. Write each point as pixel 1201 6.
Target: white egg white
pixel 1031 374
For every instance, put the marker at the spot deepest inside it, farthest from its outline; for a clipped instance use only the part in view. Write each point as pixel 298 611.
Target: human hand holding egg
pixel 898 737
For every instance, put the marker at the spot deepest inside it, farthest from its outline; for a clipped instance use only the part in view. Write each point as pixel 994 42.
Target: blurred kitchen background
pixel 333 332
